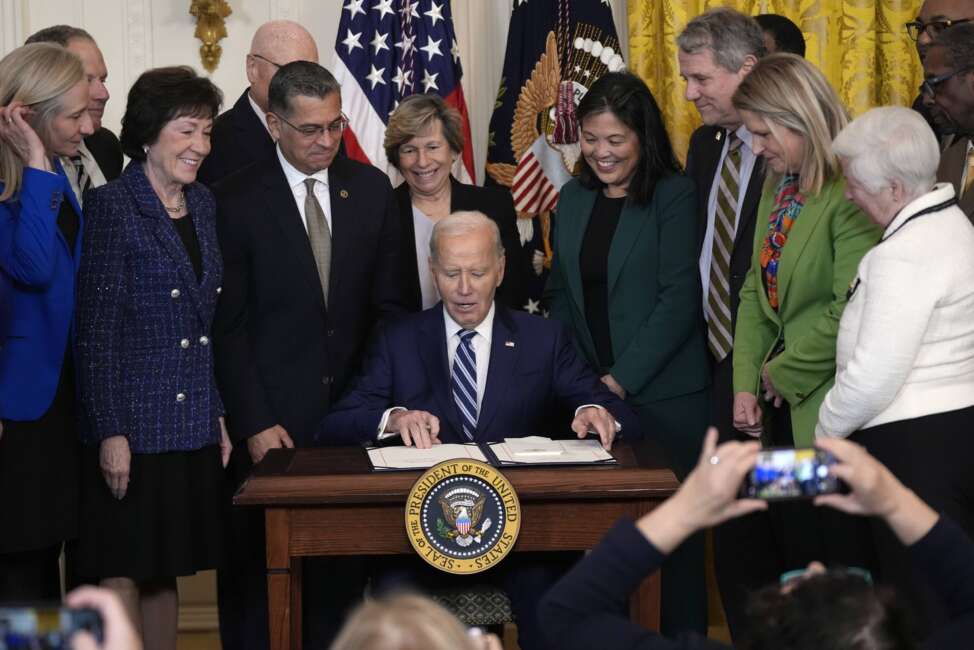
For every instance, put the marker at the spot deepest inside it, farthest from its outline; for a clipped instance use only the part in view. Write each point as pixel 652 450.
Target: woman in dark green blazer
pixel 625 280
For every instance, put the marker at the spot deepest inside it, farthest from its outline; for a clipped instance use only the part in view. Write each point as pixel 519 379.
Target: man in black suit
pixel 716 51
pixel 310 244
pixel 99 158
pixel 240 135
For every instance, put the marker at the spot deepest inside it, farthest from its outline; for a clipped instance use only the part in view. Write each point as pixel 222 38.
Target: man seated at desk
pixel 468 369
pixel 472 370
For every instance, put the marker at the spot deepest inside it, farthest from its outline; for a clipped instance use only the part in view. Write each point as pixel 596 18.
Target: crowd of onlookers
pixel 806 278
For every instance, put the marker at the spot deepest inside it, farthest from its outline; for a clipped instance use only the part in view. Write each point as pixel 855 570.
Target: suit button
pixel 184 343
pixel 330 333
pixel 180 397
pixel 204 340
pixel 326 381
pixel 174 293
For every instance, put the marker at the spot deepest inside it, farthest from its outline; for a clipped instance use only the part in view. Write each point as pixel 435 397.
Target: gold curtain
pixel 860 45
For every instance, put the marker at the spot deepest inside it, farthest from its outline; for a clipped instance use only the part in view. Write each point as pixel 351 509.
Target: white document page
pixel 537 449
pixel 402 457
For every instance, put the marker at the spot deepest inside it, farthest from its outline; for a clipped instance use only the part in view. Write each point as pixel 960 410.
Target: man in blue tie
pixel 468 369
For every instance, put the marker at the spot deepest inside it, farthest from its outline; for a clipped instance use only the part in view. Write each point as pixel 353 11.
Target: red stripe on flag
pixel 353 149
pixel 456 100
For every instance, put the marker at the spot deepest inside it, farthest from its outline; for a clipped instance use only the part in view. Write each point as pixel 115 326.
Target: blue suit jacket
pixel 534 373
pixel 37 273
pixel 144 353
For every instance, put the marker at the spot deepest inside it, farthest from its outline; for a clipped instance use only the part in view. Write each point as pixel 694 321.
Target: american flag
pixel 386 50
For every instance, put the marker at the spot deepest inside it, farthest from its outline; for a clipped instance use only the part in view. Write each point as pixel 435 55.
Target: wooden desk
pixel 318 502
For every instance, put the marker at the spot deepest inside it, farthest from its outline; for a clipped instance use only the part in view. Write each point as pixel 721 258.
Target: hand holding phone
pixel 789 473
pixel 47 628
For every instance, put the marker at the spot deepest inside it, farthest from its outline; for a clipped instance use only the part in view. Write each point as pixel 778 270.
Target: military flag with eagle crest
pixel 556 49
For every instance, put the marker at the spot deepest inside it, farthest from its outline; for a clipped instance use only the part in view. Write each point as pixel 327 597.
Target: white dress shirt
pixel 905 346
pixel 423 231
pixel 747 166
pixel 91 168
pixel 295 180
pixel 261 115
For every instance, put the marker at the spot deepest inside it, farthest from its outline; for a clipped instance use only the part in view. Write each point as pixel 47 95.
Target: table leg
pixel 644 603
pixel 283 583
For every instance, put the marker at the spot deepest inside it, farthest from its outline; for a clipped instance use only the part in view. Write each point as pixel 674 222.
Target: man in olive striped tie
pixel 716 51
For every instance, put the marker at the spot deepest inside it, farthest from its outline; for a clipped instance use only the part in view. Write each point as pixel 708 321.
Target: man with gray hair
pixel 241 135
pixel 949 86
pixel 99 157
pixel 310 245
pixel 716 51
pixel 470 370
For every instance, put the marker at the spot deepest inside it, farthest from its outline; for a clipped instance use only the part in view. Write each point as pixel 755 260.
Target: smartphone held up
pixel 45 628
pixel 789 473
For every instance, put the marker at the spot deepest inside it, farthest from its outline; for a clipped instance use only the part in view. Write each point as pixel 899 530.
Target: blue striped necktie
pixel 465 382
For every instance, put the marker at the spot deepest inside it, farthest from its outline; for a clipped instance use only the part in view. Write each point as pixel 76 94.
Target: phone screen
pixel 45 628
pixel 788 473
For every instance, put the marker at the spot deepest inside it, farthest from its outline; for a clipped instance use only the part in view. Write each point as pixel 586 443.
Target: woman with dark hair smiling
pixel 625 280
pixel 148 285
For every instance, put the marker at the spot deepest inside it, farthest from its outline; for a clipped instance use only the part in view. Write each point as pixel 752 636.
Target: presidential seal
pixel 462 516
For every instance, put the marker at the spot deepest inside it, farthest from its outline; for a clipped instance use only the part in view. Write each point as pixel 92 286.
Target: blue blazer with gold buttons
pixel 144 353
pixel 37 277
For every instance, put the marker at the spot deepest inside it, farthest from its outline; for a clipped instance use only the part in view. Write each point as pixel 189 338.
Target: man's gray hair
pixel 303 78
pixel 959 43
pixel 729 34
pixel 461 223
pixel 59 35
pixel 887 144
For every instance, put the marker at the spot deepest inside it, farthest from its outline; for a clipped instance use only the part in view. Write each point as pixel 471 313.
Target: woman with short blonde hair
pixel 791 93
pixel 408 622
pixel 424 138
pixel 807 243
pixel 43 115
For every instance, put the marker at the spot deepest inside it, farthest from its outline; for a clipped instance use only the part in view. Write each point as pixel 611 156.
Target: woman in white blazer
pixel 904 385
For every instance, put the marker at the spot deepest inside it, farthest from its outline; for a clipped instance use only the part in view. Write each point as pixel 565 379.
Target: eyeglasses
pixel 929 86
pixel 265 59
pixel 797 575
pixel 916 27
pixel 334 129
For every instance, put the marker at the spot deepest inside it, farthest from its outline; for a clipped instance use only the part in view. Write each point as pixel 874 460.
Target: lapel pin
pixel 343 194
pixel 719 135
pixel 509 344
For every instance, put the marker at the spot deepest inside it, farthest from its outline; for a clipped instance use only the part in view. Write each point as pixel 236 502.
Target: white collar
pixel 485 328
pixel 295 176
pixel 940 193
pixel 261 115
pixel 83 152
pixel 745 136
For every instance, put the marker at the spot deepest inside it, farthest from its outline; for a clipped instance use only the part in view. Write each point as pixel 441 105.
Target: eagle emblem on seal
pixel 462 509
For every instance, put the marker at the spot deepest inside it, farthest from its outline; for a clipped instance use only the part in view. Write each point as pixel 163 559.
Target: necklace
pixel 178 207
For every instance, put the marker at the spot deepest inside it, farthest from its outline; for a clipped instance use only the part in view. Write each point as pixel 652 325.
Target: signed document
pixel 402 457
pixel 537 450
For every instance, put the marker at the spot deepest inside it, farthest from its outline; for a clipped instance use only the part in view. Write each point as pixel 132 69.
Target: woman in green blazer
pixel 807 245
pixel 625 280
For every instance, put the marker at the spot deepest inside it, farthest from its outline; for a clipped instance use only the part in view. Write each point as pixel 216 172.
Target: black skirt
pixel 39 474
pixel 168 524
